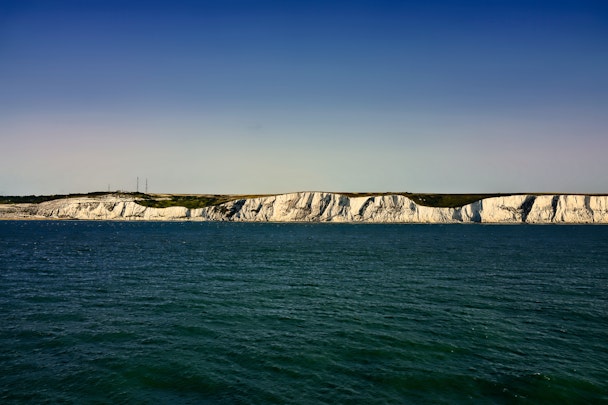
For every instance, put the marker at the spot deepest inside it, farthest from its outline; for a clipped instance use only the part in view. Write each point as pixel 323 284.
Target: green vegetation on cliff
pixel 449 200
pixel 178 200
pixel 434 200
pixel 148 200
pixel 192 201
pixel 201 201
pixel 37 199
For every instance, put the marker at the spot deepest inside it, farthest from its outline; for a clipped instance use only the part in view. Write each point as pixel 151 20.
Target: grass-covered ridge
pixel 37 199
pixel 207 200
pixel 449 200
pixel 148 200
pixel 434 200
pixel 193 201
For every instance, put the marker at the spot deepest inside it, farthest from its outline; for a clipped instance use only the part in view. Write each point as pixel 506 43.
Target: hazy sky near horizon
pixel 239 96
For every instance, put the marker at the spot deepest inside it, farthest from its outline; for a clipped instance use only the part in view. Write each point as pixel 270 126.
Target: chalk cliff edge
pixel 329 207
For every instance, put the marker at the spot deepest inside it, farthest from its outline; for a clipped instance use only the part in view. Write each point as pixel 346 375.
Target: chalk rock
pixel 329 207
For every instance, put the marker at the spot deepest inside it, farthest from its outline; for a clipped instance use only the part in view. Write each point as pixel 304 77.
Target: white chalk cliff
pixel 329 207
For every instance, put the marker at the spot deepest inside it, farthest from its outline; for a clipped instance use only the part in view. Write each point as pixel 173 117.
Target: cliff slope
pixel 328 207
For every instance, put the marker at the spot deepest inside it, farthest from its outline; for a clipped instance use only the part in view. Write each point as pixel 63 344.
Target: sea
pixel 267 313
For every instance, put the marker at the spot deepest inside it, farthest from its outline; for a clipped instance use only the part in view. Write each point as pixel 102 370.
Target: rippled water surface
pixel 120 312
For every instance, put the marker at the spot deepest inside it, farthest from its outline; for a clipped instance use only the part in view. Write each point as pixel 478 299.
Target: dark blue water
pixel 118 312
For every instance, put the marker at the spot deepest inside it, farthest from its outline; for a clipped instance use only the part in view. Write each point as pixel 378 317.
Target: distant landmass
pixel 315 207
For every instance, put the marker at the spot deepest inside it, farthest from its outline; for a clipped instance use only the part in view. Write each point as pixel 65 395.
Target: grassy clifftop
pixel 37 199
pixel 200 201
pixel 148 200
pixel 188 201
pixel 205 200
pixel 435 200
pixel 192 201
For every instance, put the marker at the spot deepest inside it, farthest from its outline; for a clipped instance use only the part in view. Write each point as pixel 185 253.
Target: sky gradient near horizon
pixel 239 96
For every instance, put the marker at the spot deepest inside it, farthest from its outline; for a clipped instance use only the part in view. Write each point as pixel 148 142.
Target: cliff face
pixel 330 207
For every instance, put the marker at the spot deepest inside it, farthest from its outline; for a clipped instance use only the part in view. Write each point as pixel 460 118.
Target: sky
pixel 244 96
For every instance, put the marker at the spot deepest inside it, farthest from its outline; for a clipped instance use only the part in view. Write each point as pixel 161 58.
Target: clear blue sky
pixel 239 96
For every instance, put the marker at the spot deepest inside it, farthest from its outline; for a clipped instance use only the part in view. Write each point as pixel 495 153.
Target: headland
pixel 310 206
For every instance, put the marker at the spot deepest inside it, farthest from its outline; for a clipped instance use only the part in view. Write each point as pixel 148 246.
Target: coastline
pixel 320 207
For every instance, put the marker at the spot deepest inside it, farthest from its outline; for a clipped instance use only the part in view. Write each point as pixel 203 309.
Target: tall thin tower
pixel 146 185
pixel 137 189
